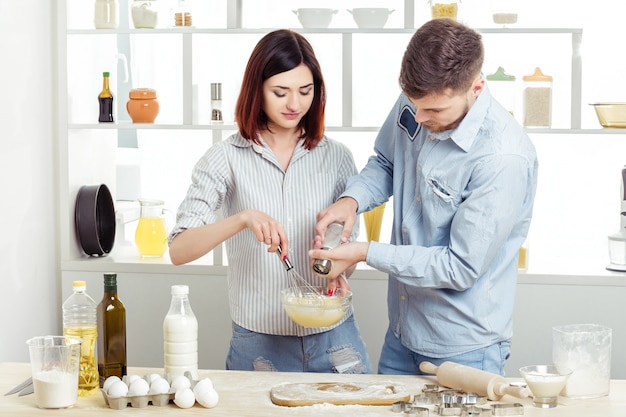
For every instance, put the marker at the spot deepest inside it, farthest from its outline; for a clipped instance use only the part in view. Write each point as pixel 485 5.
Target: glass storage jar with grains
pixel 444 8
pixel 537 99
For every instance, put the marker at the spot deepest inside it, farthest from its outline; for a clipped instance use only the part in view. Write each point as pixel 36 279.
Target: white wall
pixel 29 272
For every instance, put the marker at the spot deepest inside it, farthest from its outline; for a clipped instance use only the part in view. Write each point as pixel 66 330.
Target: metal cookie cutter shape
pixel 417 412
pixel 474 411
pixel 515 409
pixel 400 406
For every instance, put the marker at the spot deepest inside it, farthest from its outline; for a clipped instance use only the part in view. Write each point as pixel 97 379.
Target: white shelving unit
pixel 85 146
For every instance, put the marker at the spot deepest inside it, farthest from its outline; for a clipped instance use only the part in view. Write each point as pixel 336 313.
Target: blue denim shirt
pixel 462 202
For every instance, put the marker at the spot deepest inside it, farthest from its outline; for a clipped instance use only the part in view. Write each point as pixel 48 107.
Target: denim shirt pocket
pixel 441 190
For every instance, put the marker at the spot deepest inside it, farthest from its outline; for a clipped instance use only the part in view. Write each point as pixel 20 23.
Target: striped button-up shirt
pixel 236 175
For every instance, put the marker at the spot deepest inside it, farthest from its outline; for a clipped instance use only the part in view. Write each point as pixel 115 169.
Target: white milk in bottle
pixel 180 335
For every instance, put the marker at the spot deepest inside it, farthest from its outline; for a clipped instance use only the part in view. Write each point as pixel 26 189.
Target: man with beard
pixel 463 176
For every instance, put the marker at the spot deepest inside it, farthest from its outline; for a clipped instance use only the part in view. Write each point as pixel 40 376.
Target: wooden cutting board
pixel 338 393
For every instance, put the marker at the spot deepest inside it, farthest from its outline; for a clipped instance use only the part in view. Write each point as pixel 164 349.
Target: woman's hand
pixel 267 230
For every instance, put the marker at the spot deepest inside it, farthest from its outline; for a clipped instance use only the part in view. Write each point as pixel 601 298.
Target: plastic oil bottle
pixel 180 335
pixel 80 319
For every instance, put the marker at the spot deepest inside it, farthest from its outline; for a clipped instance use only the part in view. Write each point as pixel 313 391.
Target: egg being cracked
pixel 184 398
pixel 138 387
pixel 109 381
pixel 159 386
pixel 117 389
pixel 208 398
pixel 180 382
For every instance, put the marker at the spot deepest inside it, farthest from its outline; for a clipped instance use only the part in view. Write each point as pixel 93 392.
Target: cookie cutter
pixel 400 406
pixel 515 409
pixel 417 411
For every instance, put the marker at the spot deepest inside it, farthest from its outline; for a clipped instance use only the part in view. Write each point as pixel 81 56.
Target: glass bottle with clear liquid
pixel 80 319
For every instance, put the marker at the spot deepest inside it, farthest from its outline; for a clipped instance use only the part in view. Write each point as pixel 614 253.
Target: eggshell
pixel 109 381
pixel 139 387
pixel 204 384
pixel 208 399
pixel 117 389
pixel 184 398
pixel 180 382
pixel 159 386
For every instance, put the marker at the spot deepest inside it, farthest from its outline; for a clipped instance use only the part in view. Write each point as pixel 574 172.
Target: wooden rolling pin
pixel 468 379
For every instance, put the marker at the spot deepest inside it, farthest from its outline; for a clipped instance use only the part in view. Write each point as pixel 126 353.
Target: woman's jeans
pixel 340 350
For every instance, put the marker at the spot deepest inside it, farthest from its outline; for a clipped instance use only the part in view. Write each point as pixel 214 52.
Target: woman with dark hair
pixel 269 180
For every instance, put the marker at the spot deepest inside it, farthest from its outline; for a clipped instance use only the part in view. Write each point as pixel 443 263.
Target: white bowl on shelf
pixel 315 17
pixel 370 17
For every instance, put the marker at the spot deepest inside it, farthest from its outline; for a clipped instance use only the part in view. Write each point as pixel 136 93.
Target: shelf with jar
pixel 181 63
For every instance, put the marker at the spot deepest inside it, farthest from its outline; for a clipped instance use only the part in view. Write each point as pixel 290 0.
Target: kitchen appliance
pixel 617 241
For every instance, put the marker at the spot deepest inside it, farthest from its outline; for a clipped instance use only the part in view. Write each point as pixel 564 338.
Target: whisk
pixel 297 282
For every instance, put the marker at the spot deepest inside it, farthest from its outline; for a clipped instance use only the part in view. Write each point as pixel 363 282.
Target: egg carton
pixel 142 401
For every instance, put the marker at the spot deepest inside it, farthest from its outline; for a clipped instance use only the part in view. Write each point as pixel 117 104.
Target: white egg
pixel 130 378
pixel 208 399
pixel 152 377
pixel 117 389
pixel 180 382
pixel 138 387
pixel 159 386
pixel 204 384
pixel 109 381
pixel 184 398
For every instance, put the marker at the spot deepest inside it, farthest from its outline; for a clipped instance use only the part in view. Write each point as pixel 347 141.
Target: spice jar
pixel 145 14
pixel 143 106
pixel 537 99
pixel 444 8
pixel 502 87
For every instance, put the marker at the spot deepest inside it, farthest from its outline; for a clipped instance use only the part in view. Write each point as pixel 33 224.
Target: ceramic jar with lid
pixel 145 14
pixel 142 105
pixel 537 99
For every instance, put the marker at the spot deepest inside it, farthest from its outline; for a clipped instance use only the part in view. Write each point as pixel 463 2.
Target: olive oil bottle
pixel 111 332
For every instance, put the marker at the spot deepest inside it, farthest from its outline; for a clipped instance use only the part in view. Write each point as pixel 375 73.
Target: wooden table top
pixel 248 394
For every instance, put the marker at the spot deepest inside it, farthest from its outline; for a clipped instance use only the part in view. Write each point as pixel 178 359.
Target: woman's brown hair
pixel 279 51
pixel 442 54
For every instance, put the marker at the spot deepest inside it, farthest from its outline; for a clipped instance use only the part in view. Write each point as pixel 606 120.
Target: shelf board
pixel 225 31
pixel 157 126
